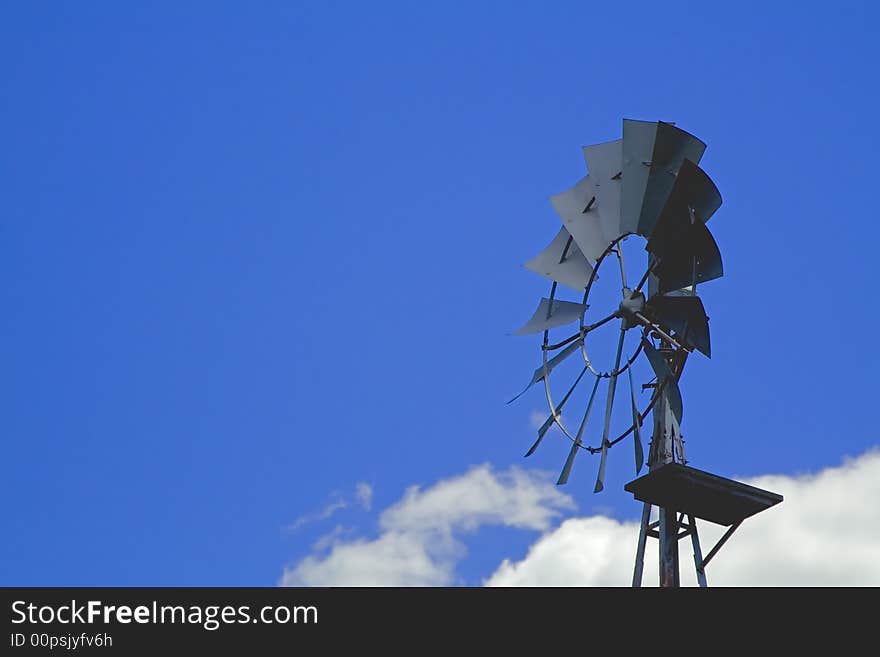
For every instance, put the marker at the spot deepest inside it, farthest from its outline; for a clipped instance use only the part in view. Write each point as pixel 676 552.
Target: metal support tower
pixel 666 447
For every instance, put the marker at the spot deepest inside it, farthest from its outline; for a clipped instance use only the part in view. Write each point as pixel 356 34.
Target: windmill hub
pixel 633 302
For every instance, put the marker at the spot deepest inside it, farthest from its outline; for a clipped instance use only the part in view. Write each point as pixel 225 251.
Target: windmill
pixel 648 188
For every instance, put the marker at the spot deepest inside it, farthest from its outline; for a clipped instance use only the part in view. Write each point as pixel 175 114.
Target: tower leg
pixel 668 548
pixel 640 550
pixel 698 554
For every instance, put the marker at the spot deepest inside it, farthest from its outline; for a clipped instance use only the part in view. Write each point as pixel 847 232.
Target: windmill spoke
pixel 586 329
pixel 643 279
pixel 619 251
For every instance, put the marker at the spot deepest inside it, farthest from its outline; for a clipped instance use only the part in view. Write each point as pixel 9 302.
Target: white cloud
pixel 364 494
pixel 824 533
pixel 393 559
pixel 337 503
pixel 581 552
pixel 537 418
pixel 516 498
pixel 419 543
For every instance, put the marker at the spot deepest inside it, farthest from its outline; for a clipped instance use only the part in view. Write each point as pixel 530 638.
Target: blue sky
pixel 255 255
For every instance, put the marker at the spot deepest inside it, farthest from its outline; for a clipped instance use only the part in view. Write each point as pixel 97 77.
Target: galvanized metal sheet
pixel 572 270
pixel 694 187
pixel 576 209
pixel 609 405
pixel 550 421
pixel 672 146
pixel 686 291
pixel 569 462
pixel 551 364
pixel 693 199
pixel 600 476
pixel 637 150
pixel 686 250
pixel 557 359
pixel 665 377
pixel 686 316
pixel 692 256
pixel 576 443
pixel 637 431
pixel 549 316
pixel 605 164
pixel 538 441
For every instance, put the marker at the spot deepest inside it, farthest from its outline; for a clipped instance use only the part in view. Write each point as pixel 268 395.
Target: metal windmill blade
pixel 686 316
pixel 550 314
pixel 652 156
pixel 554 416
pixel 563 262
pixel 637 151
pixel 637 425
pixel 605 164
pixel 575 207
pixel 694 188
pixel 686 252
pixel 672 147
pixel 576 443
pixel 550 366
pixel 691 258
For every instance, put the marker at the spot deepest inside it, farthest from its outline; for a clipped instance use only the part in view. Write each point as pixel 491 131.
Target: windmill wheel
pixel 646 188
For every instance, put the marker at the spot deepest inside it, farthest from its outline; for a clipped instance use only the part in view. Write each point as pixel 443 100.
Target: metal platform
pixel 701 494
